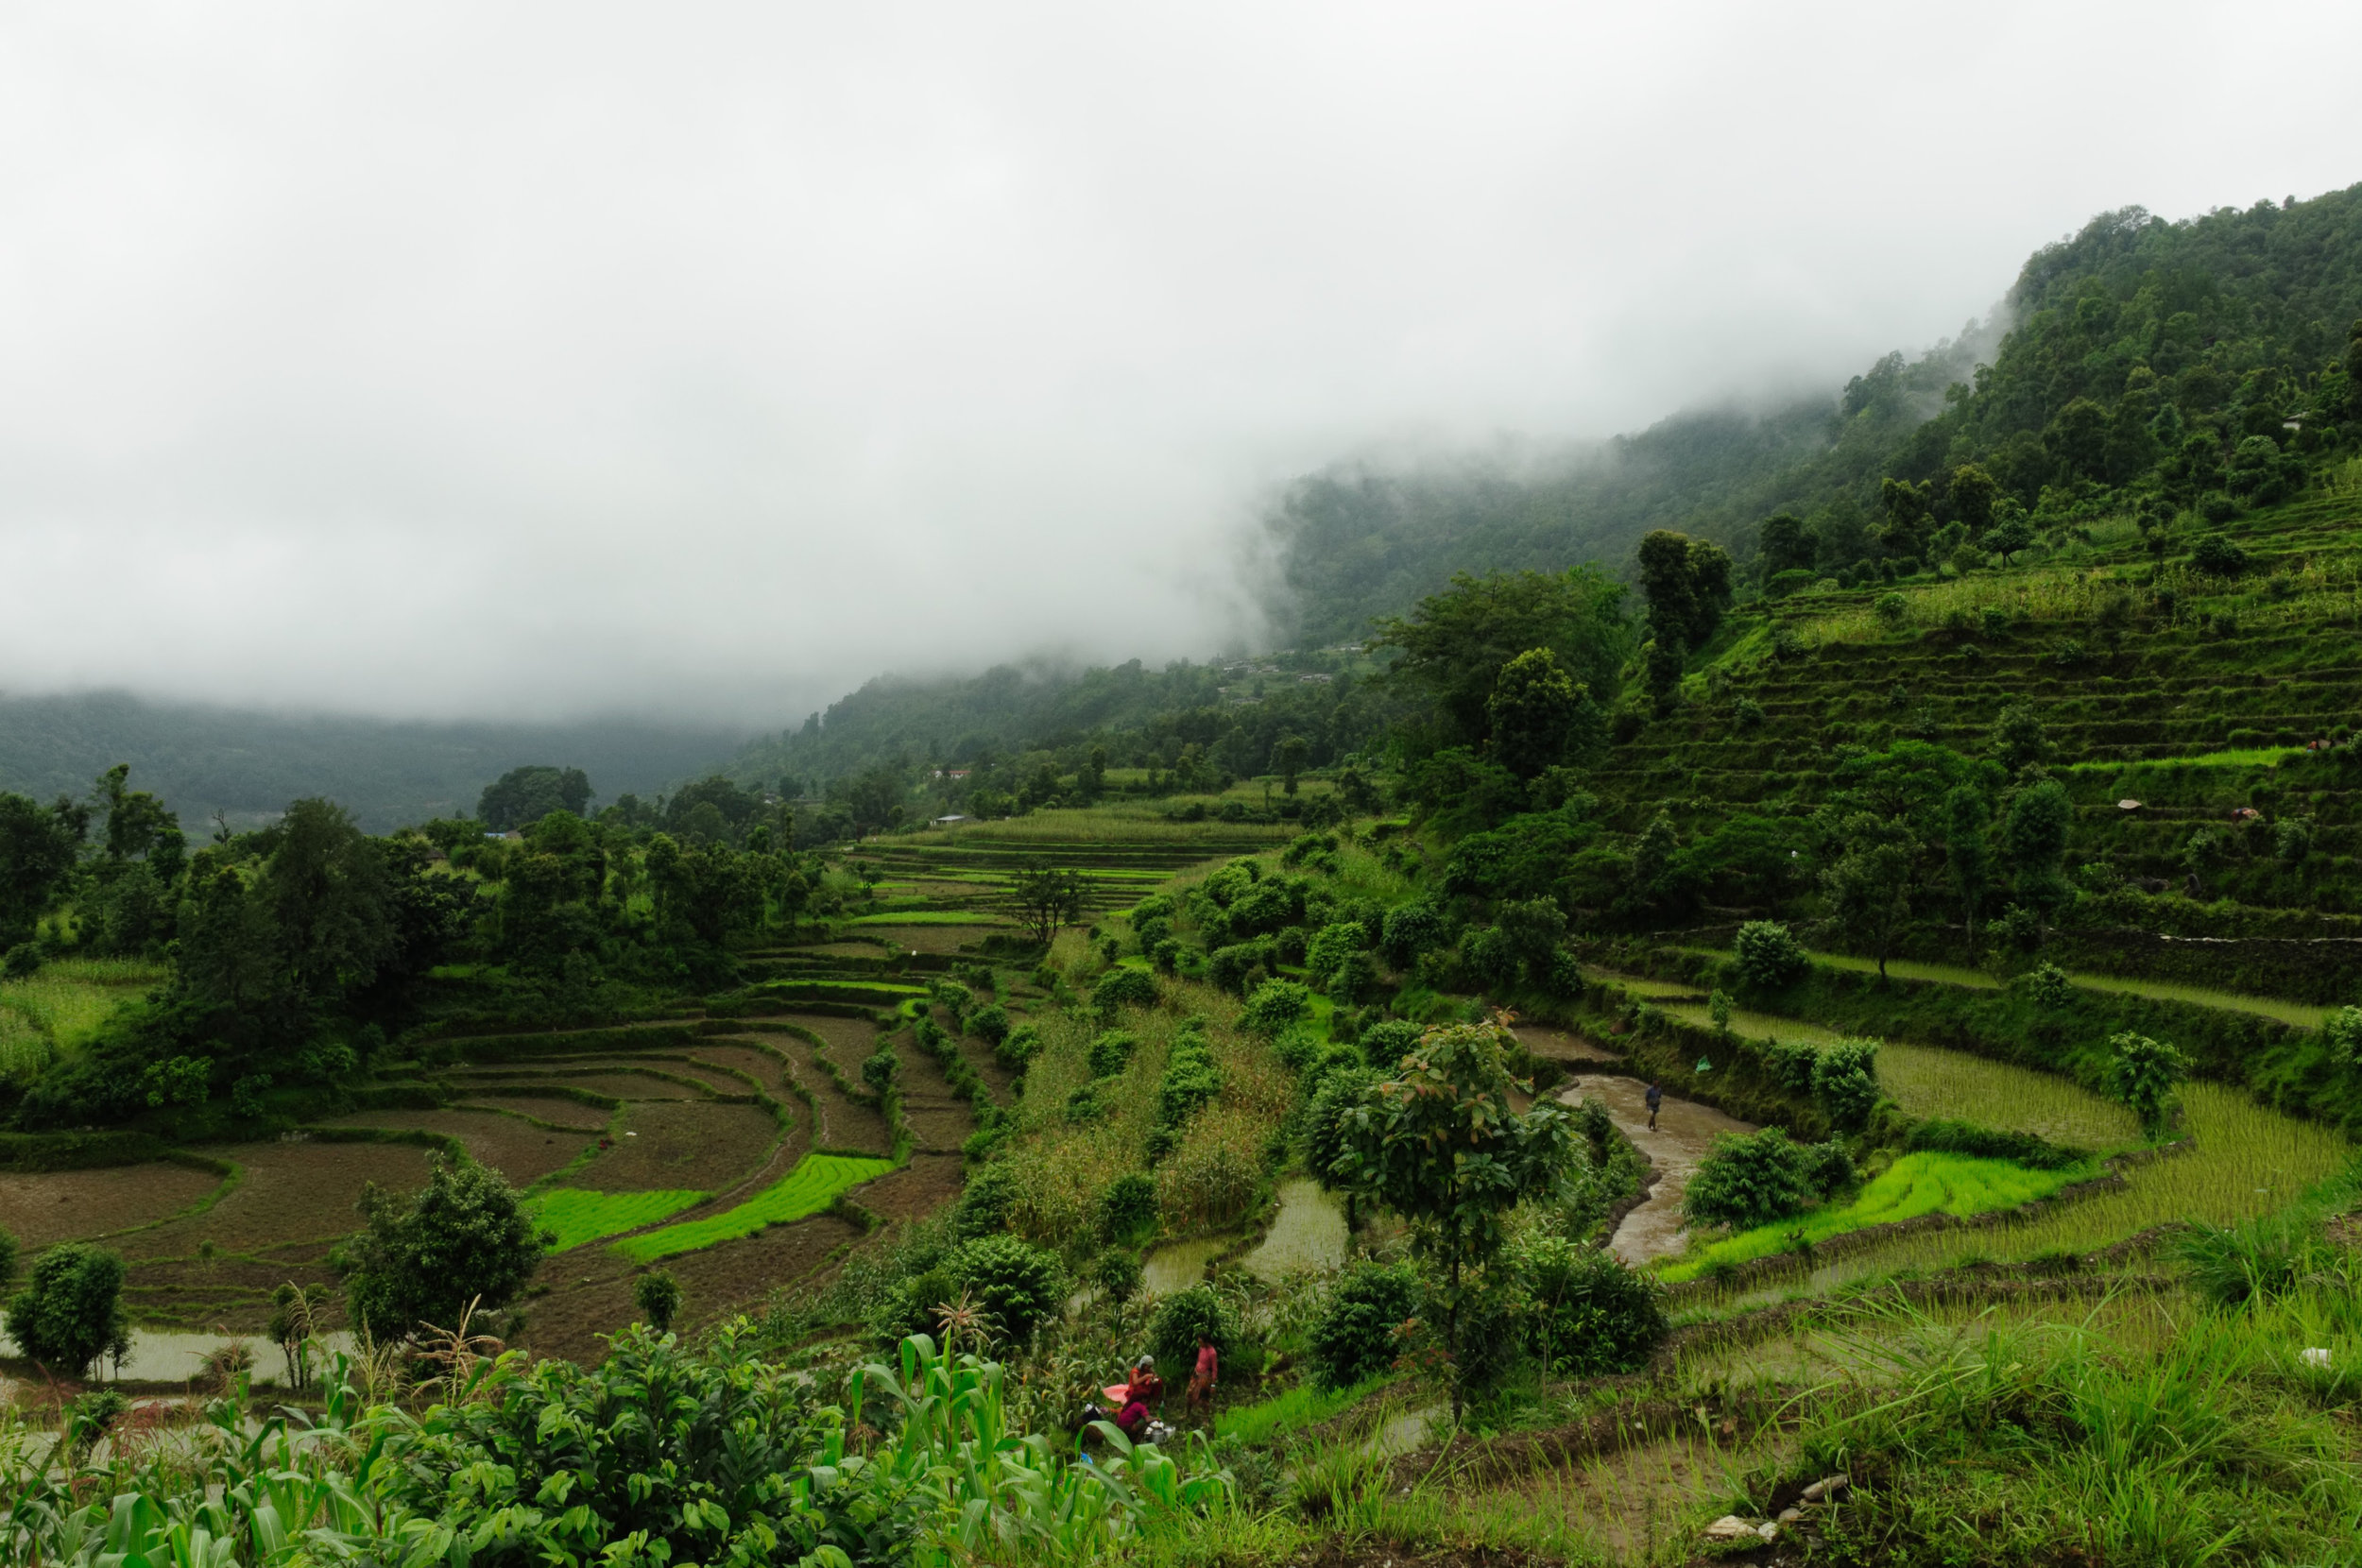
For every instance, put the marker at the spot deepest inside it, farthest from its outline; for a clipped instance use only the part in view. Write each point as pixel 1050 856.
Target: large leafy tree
pixel 37 845
pixel 1455 643
pixel 1687 585
pixel 524 796
pixel 1438 1143
pixel 1045 899
pixel 1870 886
pixel 70 1311
pixel 424 1257
pixel 1539 714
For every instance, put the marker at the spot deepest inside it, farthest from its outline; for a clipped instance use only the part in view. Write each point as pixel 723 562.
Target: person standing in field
pixel 1202 1381
pixel 1655 1097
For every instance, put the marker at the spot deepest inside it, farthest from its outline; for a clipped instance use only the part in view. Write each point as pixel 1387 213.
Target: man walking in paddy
pixel 1655 1097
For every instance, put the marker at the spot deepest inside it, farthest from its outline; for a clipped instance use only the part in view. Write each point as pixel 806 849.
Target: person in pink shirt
pixel 1202 1380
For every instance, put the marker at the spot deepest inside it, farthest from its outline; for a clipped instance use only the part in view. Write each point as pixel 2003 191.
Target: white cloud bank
pixel 545 359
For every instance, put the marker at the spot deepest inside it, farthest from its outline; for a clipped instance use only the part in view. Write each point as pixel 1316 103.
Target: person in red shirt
pixel 1146 1385
pixel 1202 1381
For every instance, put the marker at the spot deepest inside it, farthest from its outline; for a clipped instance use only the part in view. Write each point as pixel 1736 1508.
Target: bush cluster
pixel 1751 1180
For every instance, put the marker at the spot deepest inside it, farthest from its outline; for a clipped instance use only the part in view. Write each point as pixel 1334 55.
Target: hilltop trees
pixel 1455 644
pixel 1539 714
pixel 524 796
pixel 38 845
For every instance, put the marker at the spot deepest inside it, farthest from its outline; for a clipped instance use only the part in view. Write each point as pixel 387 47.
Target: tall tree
pixel 527 794
pixel 1044 899
pixel 1686 583
pixel 1455 643
pixel 1538 713
pixel 423 1257
pixel 1967 852
pixel 326 891
pixel 1440 1145
pixel 38 846
pixel 1785 544
pixel 1870 886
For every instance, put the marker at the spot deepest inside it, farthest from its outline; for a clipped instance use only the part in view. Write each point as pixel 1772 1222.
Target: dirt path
pixel 1678 1141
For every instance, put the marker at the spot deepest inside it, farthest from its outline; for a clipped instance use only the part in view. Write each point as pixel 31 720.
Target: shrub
pixel 1718 1009
pixel 1019 1047
pixel 247 1095
pixel 1751 1180
pixel 424 1256
pixel 657 1294
pixel 8 1257
pixel 1116 1271
pixel 2144 1073
pixel 1276 1005
pixel 1747 713
pixel 1186 1314
pixel 1845 1082
pixel 1190 1080
pixel 70 1311
pixel 1994 622
pixel 1409 931
pixel 1356 979
pixel 1127 1211
pixel 954 999
pixel 1327 951
pixel 2217 556
pixel 1587 1313
pixel 1229 968
pixel 880 1068
pixel 1767 956
pixel 990 1024
pixel 1112 1052
pixel 1122 987
pixel 2263 1257
pixel 2046 987
pixel 1384 1045
pixel 2342 1031
pixel 1166 955
pixel 985 1202
pixel 1892 608
pixel 1016 1283
pixel 1354 1334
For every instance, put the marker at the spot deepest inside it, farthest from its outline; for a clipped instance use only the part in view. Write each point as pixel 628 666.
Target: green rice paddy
pixel 579 1215
pixel 930 917
pixel 814 1184
pixel 1927 1081
pixel 1306 1404
pixel 1921 1184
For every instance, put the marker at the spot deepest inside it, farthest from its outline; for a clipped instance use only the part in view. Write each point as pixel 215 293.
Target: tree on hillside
pixel 1044 899
pixel 1909 515
pixel 2144 1074
pixel 527 794
pixel 1784 544
pixel 2034 837
pixel 38 845
pixel 1686 583
pixel 1972 492
pixel 2018 737
pixel 70 1311
pixel 424 1257
pixel 2011 534
pixel 1870 886
pixel 1967 854
pixel 1455 643
pixel 328 895
pixel 1539 714
pixel 1438 1143
pixel 1288 757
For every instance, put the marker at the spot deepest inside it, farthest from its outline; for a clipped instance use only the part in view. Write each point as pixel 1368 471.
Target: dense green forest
pixel 248 764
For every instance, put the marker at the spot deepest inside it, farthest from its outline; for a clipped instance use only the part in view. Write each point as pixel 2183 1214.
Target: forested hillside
pixel 248 764
pixel 2142 353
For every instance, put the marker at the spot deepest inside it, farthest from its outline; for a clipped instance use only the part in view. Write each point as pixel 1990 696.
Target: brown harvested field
pixel 292 1192
pixel 511 1145
pixel 997 1077
pixel 933 939
pixel 924 1184
pixel 765 1069
pixel 839 949
pixel 940 1120
pixel 591 1288
pixel 569 1113
pixel 621 1082
pixel 698 1145
pixel 844 1122
pixel 675 1066
pixel 70 1206
pixel 848 1039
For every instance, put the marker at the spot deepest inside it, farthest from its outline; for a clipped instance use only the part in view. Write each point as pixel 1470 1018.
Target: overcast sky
pixel 536 360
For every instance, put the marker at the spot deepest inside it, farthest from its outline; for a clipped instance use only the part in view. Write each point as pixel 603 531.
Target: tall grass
pixel 67 999
pixel 1927 1081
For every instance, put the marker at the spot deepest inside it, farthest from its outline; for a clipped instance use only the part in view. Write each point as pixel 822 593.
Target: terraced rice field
pixel 579 1216
pixel 814 1184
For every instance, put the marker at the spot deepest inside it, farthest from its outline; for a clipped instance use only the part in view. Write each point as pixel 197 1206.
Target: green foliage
pixel 1331 947
pixel 1410 929
pixel 1127 1210
pixel 1718 1009
pixel 1124 986
pixel 657 1293
pixel 426 1257
pixel 1276 1005
pixel 8 1256
pixel 2342 1031
pixel 990 1024
pixel 1946 1136
pixel 1183 1317
pixel 523 797
pixel 1540 716
pixel 1191 1079
pixel 1455 644
pixel 1438 1144
pixel 1767 955
pixel 574 1216
pixel 1019 1047
pixel 70 1309
pixel 1111 1052
pixel 1749 1180
pixel 2217 556
pixel 1019 1286
pixel 2255 1260
pixel 2019 739
pixel 1587 1313
pixel 1356 1334
pixel 1844 1082
pixel 817 1181
pixel 2045 986
pixel 1117 1273
pixel 2144 1074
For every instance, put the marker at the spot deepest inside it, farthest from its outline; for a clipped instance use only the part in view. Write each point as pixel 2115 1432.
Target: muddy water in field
pixel 1178 1265
pixel 1678 1141
pixel 161 1355
pixel 1309 1232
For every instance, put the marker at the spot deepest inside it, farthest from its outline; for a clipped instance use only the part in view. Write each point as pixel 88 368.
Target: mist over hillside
pixel 248 764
